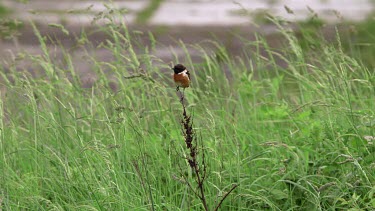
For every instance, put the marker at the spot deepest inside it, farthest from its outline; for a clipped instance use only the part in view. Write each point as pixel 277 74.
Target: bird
pixel 181 76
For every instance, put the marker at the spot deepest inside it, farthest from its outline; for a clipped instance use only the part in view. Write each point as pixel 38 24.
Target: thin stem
pixel 192 157
pixel 225 196
pixel 201 188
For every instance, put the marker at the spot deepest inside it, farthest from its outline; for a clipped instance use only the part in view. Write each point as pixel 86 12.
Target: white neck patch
pixel 184 73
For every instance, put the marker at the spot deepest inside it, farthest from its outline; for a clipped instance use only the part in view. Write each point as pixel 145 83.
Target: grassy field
pixel 299 137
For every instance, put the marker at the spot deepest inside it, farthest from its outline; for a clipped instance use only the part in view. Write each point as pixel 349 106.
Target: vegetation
pixel 8 27
pixel 362 43
pixel 293 137
pixel 3 10
pixel 144 15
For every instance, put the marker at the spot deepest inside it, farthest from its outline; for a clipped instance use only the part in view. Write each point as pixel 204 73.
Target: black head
pixel 178 68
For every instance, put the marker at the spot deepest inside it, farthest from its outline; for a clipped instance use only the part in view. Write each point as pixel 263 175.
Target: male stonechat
pixel 181 76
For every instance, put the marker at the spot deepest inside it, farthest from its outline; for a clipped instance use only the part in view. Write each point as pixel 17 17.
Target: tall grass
pixel 299 137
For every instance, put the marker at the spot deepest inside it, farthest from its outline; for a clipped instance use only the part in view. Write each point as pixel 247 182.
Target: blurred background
pixel 170 21
pixel 189 12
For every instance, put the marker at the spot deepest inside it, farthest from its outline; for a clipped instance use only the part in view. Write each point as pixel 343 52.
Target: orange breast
pixel 181 80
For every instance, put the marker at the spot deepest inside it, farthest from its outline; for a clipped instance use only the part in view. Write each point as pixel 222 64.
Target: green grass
pixel 3 11
pixel 144 15
pixel 293 138
pixel 361 45
pixel 8 27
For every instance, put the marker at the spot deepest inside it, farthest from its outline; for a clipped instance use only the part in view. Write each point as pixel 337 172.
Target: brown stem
pixel 192 157
pixel 191 145
pixel 201 188
pixel 225 196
